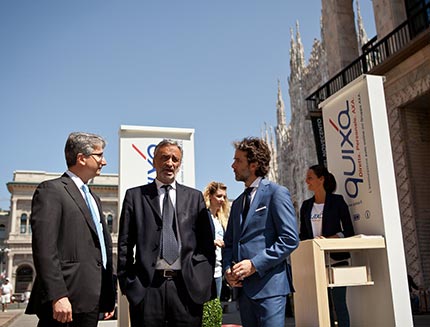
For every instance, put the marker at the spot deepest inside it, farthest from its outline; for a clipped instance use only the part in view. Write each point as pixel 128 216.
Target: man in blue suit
pixel 261 234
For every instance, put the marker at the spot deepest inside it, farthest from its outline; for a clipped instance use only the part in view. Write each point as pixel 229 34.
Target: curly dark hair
pixel 257 151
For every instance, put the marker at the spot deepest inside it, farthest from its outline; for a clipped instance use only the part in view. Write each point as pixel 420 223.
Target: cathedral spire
pixel 297 54
pixel 293 67
pixel 300 50
pixel 362 35
pixel 292 40
pixel 280 107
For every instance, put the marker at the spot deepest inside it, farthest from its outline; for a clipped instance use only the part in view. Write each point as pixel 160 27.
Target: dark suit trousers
pixel 87 319
pixel 166 304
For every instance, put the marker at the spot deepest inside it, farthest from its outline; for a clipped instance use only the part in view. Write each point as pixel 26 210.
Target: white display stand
pixel 359 155
pixel 311 276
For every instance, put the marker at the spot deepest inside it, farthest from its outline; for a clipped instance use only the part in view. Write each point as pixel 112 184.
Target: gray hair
pixel 79 142
pixel 168 142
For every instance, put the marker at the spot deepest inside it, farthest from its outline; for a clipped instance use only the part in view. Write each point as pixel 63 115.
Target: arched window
pixel 23 225
pixel 2 232
pixel 24 277
pixel 110 223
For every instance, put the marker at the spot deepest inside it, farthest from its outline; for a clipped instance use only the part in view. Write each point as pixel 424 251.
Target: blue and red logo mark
pixel 149 158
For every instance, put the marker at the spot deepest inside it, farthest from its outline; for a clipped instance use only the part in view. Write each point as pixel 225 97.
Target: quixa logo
pixel 149 158
pixel 350 159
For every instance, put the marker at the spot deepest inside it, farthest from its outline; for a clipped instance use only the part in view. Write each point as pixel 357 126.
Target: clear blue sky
pixel 93 65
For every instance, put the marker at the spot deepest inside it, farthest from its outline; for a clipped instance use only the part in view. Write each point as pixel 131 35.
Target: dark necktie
pixel 245 210
pixel 170 249
pixel 96 220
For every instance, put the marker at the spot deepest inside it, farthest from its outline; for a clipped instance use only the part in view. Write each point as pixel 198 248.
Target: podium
pixel 312 275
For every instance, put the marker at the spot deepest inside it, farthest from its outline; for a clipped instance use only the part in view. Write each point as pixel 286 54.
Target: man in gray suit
pixel 261 233
pixel 72 249
pixel 166 253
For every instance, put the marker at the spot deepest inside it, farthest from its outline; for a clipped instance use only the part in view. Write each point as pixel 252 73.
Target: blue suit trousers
pixel 266 312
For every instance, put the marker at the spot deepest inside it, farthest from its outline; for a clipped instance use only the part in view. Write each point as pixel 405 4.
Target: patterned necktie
pixel 97 223
pixel 170 249
pixel 245 210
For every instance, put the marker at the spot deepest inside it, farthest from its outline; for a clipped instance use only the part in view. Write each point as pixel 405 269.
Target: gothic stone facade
pixel 407 92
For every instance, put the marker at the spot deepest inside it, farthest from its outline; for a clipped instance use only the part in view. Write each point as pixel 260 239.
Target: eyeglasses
pixel 99 155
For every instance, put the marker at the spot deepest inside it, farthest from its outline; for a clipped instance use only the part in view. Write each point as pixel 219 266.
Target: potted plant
pixel 212 313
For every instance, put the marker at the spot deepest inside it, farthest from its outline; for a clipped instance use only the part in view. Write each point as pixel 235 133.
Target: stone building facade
pixel 18 259
pixel 402 56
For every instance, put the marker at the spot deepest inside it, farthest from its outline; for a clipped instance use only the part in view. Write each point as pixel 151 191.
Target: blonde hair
pixel 223 212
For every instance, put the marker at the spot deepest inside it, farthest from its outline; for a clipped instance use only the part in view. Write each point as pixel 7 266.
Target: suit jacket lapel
pixel 181 192
pixel 151 195
pixel 236 216
pixel 76 195
pixel 326 214
pixel 255 202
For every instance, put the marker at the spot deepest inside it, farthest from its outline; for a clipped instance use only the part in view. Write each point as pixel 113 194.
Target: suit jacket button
pixel 99 264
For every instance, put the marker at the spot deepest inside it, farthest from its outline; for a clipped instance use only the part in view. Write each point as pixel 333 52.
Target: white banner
pixel 351 155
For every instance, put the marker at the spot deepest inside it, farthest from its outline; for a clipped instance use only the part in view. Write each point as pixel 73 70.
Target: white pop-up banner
pixel 359 156
pixel 137 145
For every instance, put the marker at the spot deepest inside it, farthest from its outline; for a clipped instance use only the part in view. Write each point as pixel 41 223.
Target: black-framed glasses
pixel 100 156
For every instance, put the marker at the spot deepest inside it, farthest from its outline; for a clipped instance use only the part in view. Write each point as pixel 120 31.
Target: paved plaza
pixel 17 318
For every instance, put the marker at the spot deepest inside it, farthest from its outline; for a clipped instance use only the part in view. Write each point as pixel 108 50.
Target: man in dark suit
pixel 166 253
pixel 72 249
pixel 261 234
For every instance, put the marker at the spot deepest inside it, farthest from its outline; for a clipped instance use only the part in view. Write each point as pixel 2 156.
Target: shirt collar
pixel 256 183
pixel 76 179
pixel 160 184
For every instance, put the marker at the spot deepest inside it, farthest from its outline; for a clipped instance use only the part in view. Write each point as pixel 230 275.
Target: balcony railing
pixel 374 54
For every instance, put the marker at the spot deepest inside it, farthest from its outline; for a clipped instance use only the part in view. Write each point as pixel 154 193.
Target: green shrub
pixel 212 313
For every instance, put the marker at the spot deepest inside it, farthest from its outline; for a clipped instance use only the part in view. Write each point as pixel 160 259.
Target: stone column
pixel 10 267
pixel 13 217
pixel 389 15
pixel 339 34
